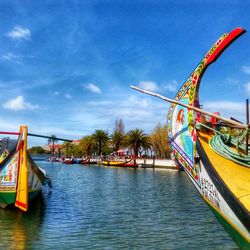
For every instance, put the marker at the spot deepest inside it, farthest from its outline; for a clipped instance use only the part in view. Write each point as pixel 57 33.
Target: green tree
pixel 37 150
pixel 87 145
pixel 159 140
pixel 107 149
pixel 52 141
pixel 117 140
pixel 67 148
pixel 101 137
pixel 137 140
pixel 76 151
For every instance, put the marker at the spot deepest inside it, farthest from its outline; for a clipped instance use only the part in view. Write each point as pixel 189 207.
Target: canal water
pixel 92 207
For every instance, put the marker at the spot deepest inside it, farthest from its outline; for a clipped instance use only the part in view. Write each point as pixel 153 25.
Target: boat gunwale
pixel 232 201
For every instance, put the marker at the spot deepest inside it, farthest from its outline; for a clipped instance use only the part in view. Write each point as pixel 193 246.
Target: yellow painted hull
pixel 235 176
pixel 130 163
pixel 225 186
pixel 112 163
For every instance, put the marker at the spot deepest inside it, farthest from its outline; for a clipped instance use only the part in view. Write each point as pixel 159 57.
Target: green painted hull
pixel 9 198
pixel 238 238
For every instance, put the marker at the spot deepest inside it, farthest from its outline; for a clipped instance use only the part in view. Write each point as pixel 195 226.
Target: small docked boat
pixel 54 159
pixel 130 163
pixel 77 161
pixel 88 161
pixel 218 163
pixel 21 179
pixel 69 161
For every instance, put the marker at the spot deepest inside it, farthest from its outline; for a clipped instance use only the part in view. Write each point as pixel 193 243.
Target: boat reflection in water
pixel 22 230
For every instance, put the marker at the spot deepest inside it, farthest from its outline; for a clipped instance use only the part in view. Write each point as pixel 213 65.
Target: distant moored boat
pixel 129 163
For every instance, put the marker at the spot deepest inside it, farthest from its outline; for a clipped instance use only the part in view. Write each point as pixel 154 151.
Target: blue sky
pixel 66 66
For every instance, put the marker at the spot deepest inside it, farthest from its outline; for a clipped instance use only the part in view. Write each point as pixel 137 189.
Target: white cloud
pixel 225 105
pixel 148 85
pixel 19 33
pixel 56 93
pixel 19 103
pixel 171 86
pixel 68 96
pixel 135 112
pixel 232 81
pixel 93 88
pixel 246 69
pixel 11 125
pixel 247 86
pixel 95 103
pixel 9 57
pixel 227 109
pixel 138 102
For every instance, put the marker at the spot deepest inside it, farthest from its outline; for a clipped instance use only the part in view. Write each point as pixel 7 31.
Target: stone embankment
pixel 156 163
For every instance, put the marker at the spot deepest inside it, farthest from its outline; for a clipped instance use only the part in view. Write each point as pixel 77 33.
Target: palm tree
pixel 117 140
pixel 52 140
pixel 87 145
pixel 101 137
pixel 137 140
pixel 67 148
pixel 146 144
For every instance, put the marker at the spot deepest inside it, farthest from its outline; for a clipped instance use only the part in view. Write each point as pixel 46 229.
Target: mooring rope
pixel 223 144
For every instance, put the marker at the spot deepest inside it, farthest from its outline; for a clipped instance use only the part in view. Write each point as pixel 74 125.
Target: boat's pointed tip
pixel 239 30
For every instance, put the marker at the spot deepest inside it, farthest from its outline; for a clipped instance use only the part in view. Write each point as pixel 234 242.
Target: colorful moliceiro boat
pixel 217 163
pixel 129 163
pixel 20 178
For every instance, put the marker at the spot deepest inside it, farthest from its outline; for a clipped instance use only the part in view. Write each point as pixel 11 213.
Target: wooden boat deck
pixel 236 177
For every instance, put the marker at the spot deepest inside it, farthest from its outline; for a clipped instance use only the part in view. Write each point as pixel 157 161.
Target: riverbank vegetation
pixel 134 142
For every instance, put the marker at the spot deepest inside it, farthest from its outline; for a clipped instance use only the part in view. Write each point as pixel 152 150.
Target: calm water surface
pixel 93 207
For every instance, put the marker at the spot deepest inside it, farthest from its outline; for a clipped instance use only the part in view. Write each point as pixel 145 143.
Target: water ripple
pixel 91 207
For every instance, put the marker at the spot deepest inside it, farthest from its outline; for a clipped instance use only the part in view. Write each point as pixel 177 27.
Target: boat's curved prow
pixel 223 184
pixel 222 178
pixel 181 131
